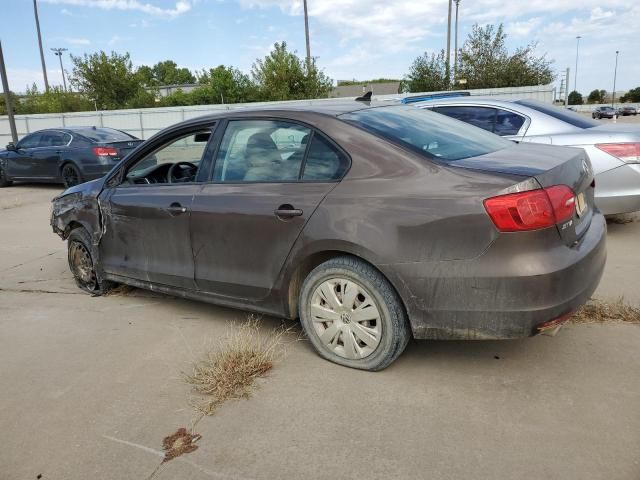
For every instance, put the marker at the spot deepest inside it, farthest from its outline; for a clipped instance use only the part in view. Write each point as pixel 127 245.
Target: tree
pixel 225 85
pixel 55 100
pixel 14 103
pixel 575 98
pixel 485 62
pixel 632 95
pixel 596 96
pixel 109 80
pixel 282 75
pixel 427 73
pixel 164 73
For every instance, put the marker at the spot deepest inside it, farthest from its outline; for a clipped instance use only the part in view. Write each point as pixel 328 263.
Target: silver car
pixel 614 149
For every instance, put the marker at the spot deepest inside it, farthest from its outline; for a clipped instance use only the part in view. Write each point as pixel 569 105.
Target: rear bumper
pixel 618 190
pixel 515 286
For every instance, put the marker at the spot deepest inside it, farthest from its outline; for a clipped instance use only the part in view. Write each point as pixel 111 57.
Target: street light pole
pixel 7 97
pixel 448 59
pixel 58 52
pixel 306 34
pixel 615 72
pixel 455 46
pixel 575 73
pixel 44 66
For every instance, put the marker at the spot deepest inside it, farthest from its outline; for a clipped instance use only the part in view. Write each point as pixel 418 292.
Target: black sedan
pixel 603 112
pixel 64 155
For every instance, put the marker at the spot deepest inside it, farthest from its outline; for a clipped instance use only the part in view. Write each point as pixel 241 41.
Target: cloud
pixel 524 28
pixel 78 41
pixel 180 7
pixel 64 11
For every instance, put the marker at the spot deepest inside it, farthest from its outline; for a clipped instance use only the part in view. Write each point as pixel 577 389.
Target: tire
pixel 3 179
pixel 70 174
pixel 81 263
pixel 384 318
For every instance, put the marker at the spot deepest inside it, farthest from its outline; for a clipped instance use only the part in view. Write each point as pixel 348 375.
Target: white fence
pixel 145 122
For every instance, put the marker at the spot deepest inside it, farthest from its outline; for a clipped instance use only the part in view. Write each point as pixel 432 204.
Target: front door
pixel 245 222
pixel 20 161
pixel 146 218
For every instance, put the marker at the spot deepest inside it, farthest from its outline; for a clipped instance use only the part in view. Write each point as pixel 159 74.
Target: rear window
pixel 564 114
pixel 433 135
pixel 102 135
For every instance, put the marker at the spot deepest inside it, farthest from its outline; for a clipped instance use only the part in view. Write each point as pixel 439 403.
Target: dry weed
pixel 229 371
pixel 598 311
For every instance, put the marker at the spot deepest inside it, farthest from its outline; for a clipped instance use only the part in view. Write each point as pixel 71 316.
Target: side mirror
pixel 12 147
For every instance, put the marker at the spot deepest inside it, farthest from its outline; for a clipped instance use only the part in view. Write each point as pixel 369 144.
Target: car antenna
pixel 366 97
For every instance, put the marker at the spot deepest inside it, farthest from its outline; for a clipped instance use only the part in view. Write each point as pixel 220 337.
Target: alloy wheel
pixel 70 175
pixel 346 318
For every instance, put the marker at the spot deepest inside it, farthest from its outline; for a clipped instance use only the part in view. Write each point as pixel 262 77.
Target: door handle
pixel 287 211
pixel 176 209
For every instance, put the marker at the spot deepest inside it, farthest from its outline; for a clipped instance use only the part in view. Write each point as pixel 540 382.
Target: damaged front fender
pixel 78 206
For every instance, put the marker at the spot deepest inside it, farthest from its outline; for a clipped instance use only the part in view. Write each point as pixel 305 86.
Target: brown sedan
pixel 372 224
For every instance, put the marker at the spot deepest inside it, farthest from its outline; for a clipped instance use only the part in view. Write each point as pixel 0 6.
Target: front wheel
pixel 352 315
pixel 3 179
pixel 70 175
pixel 81 263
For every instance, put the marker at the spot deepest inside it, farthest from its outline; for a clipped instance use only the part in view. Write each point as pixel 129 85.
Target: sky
pixel 359 39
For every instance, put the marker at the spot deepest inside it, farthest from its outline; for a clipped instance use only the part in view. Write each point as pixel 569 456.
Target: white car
pixel 614 149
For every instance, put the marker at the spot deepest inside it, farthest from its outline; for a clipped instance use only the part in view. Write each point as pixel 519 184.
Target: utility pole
pixel 615 72
pixel 7 97
pixel 44 66
pixel 455 46
pixel 58 53
pixel 575 73
pixel 566 83
pixel 306 34
pixel 448 59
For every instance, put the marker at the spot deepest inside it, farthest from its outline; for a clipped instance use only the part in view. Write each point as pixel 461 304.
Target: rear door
pixel 46 159
pixel 246 220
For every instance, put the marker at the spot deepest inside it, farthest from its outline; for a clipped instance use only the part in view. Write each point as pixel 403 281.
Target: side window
pixel 483 117
pixel 261 151
pixel 324 161
pixel 53 139
pixel 508 123
pixel 30 141
pixel 177 161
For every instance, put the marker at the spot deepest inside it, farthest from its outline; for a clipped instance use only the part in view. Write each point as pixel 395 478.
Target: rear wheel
pixel 3 179
pixel 70 175
pixel 352 315
pixel 81 263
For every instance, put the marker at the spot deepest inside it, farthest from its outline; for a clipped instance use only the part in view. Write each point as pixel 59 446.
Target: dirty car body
pixel 398 191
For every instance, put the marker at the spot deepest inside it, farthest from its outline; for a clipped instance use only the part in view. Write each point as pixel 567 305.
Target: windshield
pixel 102 135
pixel 564 114
pixel 428 133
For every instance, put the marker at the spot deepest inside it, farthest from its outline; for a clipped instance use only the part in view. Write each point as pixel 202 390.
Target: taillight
pixel 105 151
pixel 627 152
pixel 531 210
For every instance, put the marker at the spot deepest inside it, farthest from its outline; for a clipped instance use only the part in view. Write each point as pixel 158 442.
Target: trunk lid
pixel 548 166
pixel 123 148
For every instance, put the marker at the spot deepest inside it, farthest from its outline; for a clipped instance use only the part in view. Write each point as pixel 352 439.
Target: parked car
pixel 626 110
pixel 603 112
pixel 614 149
pixel 385 222
pixel 64 155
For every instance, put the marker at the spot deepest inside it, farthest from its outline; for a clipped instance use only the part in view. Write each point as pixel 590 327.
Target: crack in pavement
pixel 26 290
pixel 30 261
